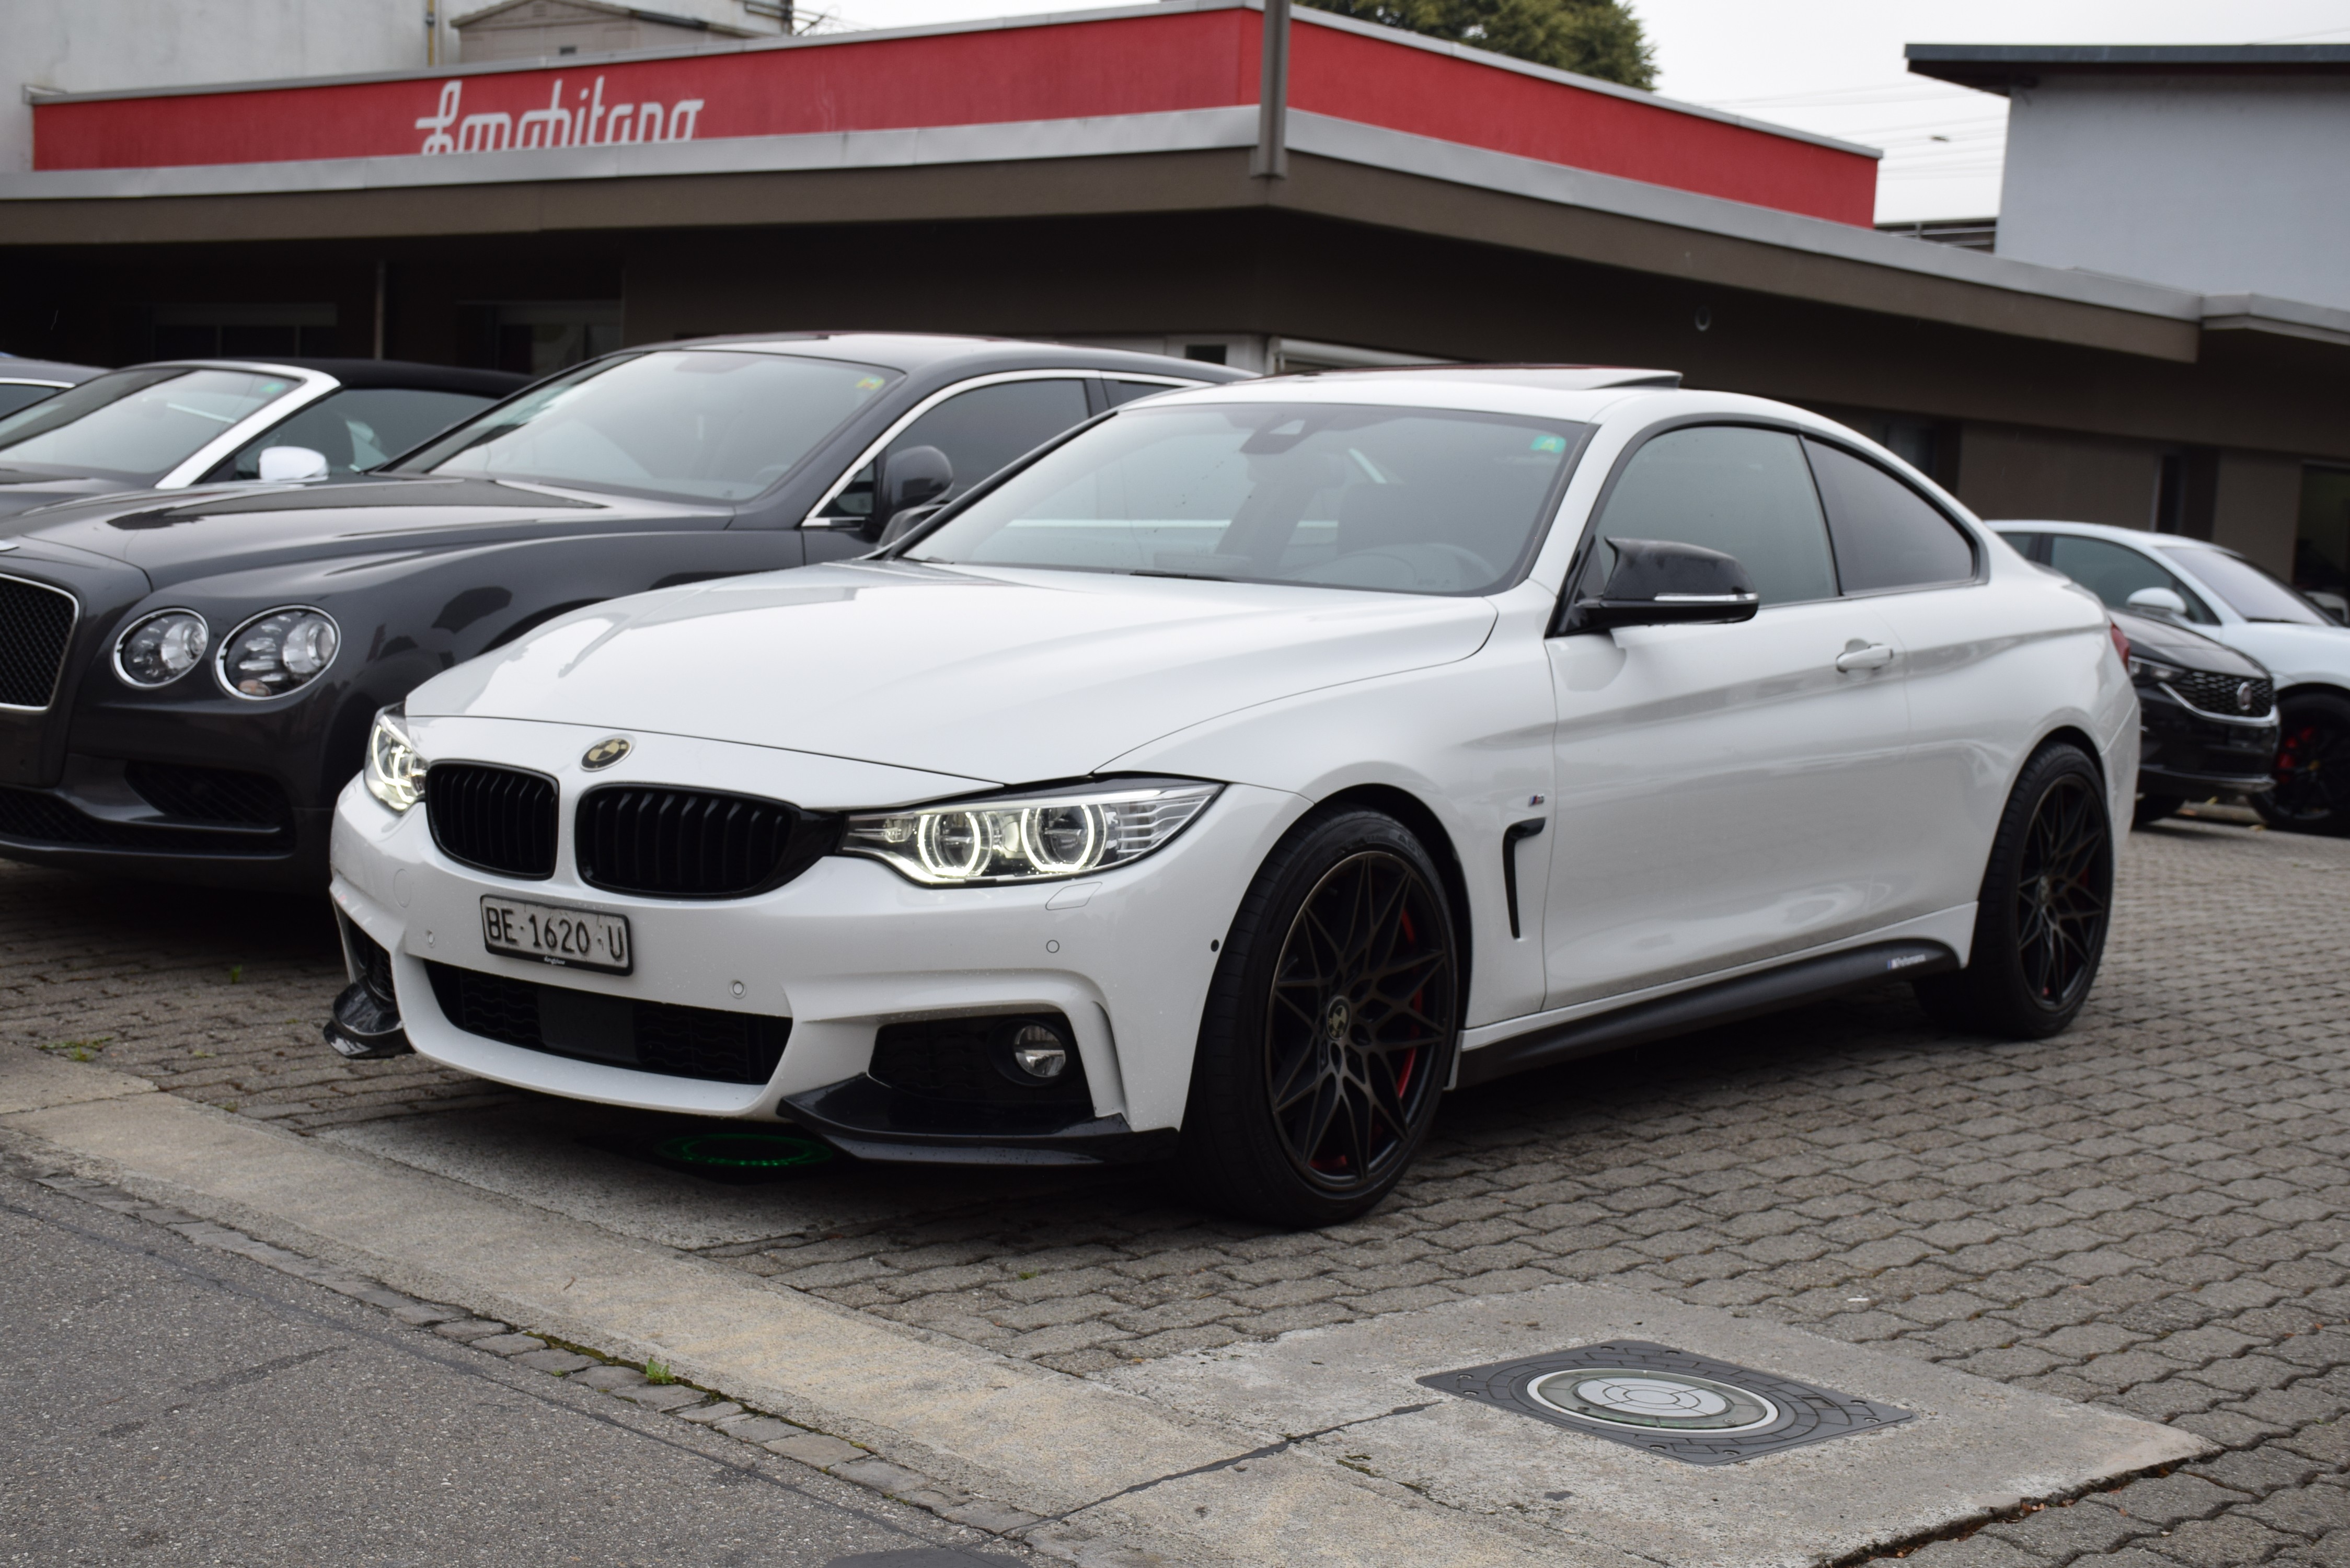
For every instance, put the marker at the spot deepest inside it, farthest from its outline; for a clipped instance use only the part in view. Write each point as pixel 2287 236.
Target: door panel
pixel 1725 794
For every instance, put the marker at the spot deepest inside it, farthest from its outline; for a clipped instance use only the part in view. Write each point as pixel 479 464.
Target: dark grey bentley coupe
pixel 187 677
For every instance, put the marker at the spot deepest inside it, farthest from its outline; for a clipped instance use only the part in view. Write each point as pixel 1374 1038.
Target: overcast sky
pixel 1835 67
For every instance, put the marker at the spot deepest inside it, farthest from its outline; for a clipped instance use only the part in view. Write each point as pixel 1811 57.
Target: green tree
pixel 1595 37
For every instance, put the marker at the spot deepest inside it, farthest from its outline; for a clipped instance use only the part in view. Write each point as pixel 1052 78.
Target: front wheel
pixel 1330 1029
pixel 2312 767
pixel 2046 900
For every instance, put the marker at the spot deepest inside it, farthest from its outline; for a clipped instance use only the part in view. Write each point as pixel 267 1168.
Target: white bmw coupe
pixel 1232 777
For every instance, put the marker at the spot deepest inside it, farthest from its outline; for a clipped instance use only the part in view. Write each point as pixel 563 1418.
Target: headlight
pixel 1033 836
pixel 277 651
pixel 2150 669
pixel 394 772
pixel 161 648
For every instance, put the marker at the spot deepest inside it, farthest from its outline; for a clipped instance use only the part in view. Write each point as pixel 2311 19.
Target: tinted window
pixel 1127 391
pixel 1398 499
pixel 2026 545
pixel 2114 572
pixel 1886 535
pixel 2250 591
pixel 980 432
pixel 359 428
pixel 14 395
pixel 135 424
pixel 1746 493
pixel 716 425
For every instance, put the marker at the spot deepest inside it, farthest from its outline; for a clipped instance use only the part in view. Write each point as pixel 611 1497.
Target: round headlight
pixel 277 651
pixel 161 648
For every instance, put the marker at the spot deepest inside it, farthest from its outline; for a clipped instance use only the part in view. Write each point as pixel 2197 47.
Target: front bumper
pixel 167 822
pixel 2184 751
pixel 833 956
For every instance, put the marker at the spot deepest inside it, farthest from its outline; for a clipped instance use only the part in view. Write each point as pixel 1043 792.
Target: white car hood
pixel 2294 654
pixel 1012 677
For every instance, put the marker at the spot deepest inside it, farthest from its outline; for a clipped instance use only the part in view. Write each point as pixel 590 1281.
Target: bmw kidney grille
pixel 496 819
pixel 693 844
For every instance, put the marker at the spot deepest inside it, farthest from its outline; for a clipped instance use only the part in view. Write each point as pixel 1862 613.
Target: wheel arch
pixel 1429 828
pixel 2312 688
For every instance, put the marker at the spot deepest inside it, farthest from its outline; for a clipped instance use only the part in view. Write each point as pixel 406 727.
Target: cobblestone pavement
pixel 2152 1212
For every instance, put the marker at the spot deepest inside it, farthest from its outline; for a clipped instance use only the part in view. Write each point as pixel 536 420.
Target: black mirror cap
pixel 1662 582
pixel 909 478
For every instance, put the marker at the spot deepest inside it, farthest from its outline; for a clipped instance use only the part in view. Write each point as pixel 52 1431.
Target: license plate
pixel 576 939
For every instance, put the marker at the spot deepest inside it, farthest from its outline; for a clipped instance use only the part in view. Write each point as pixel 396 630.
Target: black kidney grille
pixel 692 844
pixel 650 1036
pixel 2217 694
pixel 499 819
pixel 211 794
pixel 36 623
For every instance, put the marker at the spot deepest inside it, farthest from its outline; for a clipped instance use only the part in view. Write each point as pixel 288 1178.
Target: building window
pixel 240 332
pixel 540 336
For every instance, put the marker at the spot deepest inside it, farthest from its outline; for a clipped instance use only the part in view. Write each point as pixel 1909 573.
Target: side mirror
pixel 1662 582
pixel 2158 601
pixel 288 464
pixel 903 523
pixel 913 477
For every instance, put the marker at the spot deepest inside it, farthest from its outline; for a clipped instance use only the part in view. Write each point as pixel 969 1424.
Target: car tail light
pixel 2121 643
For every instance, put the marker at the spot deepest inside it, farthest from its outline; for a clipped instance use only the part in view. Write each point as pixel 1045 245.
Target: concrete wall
pixel 2257 507
pixel 2228 185
pixel 2005 472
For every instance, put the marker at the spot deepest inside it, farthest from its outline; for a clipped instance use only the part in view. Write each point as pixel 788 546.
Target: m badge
pixel 605 752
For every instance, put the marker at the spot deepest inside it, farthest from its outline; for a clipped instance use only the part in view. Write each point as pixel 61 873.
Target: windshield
pixel 1422 501
pixel 135 424
pixel 693 424
pixel 2248 590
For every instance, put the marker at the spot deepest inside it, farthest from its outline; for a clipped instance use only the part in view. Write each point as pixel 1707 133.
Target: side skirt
pixel 1725 1001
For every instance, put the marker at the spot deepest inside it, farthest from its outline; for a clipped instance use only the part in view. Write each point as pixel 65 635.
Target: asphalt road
pixel 168 1403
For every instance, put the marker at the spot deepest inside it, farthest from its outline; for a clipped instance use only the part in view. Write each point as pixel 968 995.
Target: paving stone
pixel 610 1378
pixel 703 1415
pixel 664 1397
pixel 880 1475
pixel 755 1428
pixel 471 1328
pixel 818 1449
pixel 554 1361
pixel 509 1344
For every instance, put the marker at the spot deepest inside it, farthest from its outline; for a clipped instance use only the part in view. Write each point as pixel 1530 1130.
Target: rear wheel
pixel 2155 807
pixel 2046 898
pixel 2312 767
pixel 1329 1031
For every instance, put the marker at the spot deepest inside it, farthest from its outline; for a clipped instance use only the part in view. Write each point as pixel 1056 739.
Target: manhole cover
pixel 1667 1401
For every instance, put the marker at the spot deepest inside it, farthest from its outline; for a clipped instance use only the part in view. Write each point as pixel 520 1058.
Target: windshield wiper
pixel 1191 576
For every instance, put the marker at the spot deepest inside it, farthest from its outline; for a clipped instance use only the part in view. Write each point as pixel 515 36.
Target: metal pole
pixel 1271 159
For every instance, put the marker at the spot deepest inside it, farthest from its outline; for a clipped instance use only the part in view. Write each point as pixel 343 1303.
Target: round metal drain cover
pixel 1652 1399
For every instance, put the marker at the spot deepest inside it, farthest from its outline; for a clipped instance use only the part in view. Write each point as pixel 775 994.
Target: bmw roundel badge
pixel 605 752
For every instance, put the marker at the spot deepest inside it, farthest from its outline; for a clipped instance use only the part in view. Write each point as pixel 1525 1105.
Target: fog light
pixel 1039 1053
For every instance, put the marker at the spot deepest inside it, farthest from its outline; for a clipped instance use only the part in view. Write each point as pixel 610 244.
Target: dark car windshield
pixel 357 427
pixel 137 424
pixel 1422 501
pixel 688 423
pixel 2248 590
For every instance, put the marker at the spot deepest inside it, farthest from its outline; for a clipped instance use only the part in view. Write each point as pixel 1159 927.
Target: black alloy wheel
pixel 2312 767
pixel 1329 1032
pixel 2045 908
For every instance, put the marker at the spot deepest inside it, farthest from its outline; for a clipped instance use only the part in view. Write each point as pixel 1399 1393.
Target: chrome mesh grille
pixel 2216 693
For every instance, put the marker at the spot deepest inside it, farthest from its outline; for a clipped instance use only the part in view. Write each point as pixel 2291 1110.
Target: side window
pixel 2114 572
pixel 14 395
pixel 1744 492
pixel 1127 391
pixel 1886 534
pixel 978 431
pixel 359 428
pixel 2027 545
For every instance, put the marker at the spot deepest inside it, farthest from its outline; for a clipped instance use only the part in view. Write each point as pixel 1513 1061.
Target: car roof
pixel 919 352
pixel 405 374
pixel 48 372
pixel 1544 378
pixel 2142 538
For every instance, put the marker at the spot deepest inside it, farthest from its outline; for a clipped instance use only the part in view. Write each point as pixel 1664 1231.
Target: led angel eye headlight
pixel 1031 836
pixel 394 771
pixel 161 648
pixel 278 651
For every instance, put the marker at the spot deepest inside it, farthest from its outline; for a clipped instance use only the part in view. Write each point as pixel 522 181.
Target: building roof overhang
pixel 1997 67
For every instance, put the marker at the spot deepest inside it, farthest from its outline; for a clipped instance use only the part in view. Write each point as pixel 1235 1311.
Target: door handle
pixel 1865 656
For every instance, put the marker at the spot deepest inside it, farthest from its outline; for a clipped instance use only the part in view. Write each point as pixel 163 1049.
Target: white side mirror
pixel 285 464
pixel 2158 601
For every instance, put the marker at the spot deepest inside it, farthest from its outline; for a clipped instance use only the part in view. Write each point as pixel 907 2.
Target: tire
pixel 2046 905
pixel 1330 1027
pixel 2155 807
pixel 2312 767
